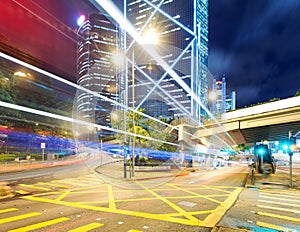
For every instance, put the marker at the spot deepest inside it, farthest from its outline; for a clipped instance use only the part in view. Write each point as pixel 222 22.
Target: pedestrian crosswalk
pixel 56 185
pixel 281 207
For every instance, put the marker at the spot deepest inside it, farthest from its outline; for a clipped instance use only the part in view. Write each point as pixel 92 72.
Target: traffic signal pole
pixel 291 162
pixel 291 169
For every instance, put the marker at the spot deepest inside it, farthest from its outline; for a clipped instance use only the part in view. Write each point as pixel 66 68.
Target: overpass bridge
pixel 270 121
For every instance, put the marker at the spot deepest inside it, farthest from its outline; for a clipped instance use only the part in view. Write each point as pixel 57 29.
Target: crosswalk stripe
pixel 89 181
pixel 87 227
pixel 286 193
pixel 55 185
pixel 8 210
pixel 279 209
pixel 35 187
pixel 279 216
pixel 281 199
pixel 40 225
pixel 19 217
pixel 279 203
pixel 275 227
pixel 71 182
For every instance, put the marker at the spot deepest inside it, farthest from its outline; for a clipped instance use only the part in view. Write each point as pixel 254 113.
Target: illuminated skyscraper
pixel 221 102
pixel 97 41
pixel 182 29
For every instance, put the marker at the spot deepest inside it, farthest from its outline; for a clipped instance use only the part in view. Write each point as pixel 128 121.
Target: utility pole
pixel 291 161
pixel 133 131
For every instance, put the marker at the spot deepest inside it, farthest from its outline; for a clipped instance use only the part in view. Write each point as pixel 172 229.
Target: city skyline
pixel 257 51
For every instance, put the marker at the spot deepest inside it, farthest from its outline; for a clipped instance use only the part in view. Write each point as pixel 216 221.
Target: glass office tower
pixel 182 30
pixel 97 41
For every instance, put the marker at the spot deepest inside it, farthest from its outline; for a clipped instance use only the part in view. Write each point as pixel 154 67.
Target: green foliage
pixel 261 103
pixel 28 91
pixel 297 93
pixel 7 157
pixel 144 127
pixel 7 87
pixel 12 157
pixel 241 147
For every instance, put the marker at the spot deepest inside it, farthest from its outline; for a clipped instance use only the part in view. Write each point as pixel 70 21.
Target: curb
pixel 43 165
pixel 227 229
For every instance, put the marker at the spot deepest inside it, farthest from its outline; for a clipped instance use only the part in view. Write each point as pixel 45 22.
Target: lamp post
pixel 133 123
pixel 149 37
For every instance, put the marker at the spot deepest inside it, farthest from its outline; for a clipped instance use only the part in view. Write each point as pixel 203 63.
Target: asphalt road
pixel 76 198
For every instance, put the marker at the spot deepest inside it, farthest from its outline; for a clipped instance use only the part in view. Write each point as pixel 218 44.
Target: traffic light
pixel 289 146
pixel 261 149
pixel 286 146
pixel 293 146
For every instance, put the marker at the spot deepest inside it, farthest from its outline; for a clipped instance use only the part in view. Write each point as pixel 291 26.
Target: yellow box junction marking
pixel 19 217
pixel 87 227
pixel 274 227
pixel 111 198
pixel 8 210
pixel 62 196
pixel 171 204
pixel 189 219
pixel 22 192
pixel 40 225
pixel 196 194
pixel 212 219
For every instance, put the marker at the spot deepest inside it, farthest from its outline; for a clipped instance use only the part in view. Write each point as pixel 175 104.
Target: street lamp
pixel 149 37
pixel 118 59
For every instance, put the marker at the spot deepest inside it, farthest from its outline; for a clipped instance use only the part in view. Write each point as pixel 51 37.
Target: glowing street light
pixel 22 74
pixel 150 37
pixel 81 20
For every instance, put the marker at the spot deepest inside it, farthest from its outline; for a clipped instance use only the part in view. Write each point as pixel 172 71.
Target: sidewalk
pixel 14 166
pixel 144 174
pixel 279 180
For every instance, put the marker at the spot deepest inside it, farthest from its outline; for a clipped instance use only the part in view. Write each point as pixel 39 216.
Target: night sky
pixel 255 43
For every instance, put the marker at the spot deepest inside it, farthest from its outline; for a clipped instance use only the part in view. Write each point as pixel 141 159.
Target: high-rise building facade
pixel 97 42
pixel 182 30
pixel 222 102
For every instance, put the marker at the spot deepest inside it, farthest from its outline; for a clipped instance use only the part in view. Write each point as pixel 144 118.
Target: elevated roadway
pixel 270 121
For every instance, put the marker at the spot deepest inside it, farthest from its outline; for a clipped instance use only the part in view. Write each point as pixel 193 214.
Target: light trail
pixel 67 119
pixel 44 21
pixel 69 83
pixel 115 13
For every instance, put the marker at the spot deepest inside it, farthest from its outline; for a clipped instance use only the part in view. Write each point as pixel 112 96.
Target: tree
pixel 297 93
pixel 144 127
pixel 7 87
